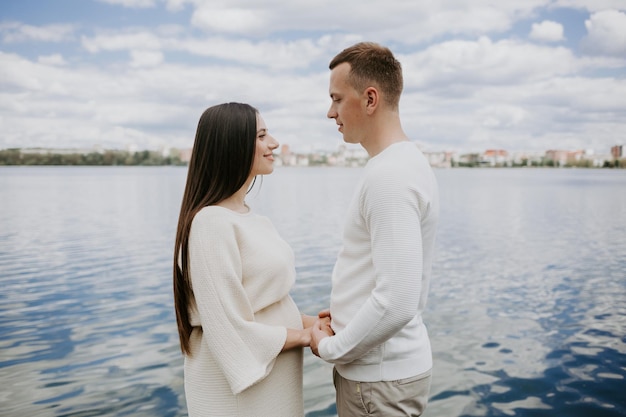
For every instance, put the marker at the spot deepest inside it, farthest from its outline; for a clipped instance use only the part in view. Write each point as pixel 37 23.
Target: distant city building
pixel 556 156
pixel 527 158
pixel 439 159
pixel 564 158
pixel 599 160
pixel 495 157
pixel 286 157
pixel 185 155
pixel 471 159
pixel 617 151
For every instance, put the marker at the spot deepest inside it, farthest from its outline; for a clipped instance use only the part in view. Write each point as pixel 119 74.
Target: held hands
pixel 304 337
pixel 324 321
pixel 324 313
pixel 321 329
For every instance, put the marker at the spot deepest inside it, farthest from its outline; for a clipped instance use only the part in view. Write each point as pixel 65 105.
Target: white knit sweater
pixel 381 279
pixel 241 274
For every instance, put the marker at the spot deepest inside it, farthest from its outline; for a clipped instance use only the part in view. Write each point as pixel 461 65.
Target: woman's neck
pixel 237 201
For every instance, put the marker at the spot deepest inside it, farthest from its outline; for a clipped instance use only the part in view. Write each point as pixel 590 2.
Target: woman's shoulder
pixel 220 211
pixel 222 217
pixel 213 217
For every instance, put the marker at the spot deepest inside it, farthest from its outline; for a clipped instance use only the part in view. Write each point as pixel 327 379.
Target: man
pixel 380 282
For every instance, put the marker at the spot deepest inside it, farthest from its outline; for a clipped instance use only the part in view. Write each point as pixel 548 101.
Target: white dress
pixel 241 272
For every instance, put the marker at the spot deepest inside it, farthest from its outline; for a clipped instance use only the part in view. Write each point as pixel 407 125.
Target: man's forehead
pixel 338 76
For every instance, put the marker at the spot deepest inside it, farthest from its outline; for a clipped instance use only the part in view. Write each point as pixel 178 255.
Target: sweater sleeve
pixel 391 211
pixel 244 350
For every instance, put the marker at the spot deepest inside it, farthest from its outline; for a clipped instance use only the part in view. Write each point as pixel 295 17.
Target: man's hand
pixel 320 330
pixel 325 326
pixel 324 313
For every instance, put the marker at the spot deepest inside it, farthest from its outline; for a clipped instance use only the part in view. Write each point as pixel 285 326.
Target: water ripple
pixel 527 312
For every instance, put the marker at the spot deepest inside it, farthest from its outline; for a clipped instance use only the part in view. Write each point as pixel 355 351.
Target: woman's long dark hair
pixel 221 161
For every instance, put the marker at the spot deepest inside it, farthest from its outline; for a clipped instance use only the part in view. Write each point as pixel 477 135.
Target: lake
pixel 527 309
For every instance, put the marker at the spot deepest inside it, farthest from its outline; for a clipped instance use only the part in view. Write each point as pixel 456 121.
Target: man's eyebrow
pixel 262 130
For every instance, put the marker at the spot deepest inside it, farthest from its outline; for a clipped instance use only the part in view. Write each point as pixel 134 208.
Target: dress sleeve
pixel 391 211
pixel 244 350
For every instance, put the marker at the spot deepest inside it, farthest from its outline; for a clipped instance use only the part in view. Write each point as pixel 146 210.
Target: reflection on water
pixel 527 313
pixel 86 310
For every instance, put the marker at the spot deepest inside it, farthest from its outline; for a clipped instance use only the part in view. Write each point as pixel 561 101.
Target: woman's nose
pixel 274 143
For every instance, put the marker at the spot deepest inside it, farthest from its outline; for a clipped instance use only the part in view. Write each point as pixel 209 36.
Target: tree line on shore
pixel 104 158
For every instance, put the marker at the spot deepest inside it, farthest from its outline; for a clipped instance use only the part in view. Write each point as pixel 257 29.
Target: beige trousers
pixel 404 397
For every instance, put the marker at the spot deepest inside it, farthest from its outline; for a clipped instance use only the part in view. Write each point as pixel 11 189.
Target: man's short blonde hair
pixel 373 65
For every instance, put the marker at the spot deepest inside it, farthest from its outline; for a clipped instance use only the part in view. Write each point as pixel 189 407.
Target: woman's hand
pixel 297 338
pixel 308 321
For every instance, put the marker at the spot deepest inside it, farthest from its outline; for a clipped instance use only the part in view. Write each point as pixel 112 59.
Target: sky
pixel 519 75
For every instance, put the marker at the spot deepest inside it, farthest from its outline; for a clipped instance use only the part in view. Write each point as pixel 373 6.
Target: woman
pixel 240 331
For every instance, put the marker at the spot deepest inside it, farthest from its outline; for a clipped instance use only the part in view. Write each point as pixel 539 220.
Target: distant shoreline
pixel 307 166
pixel 174 157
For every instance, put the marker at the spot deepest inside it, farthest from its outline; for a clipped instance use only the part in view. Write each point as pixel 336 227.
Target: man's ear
pixel 373 99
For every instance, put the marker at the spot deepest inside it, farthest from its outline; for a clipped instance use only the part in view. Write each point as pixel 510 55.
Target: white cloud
pixel 606 33
pixel 457 63
pixel 135 4
pixel 279 54
pixel 270 54
pixel 162 103
pixel 142 58
pixel 591 5
pixel 175 5
pixel 562 112
pixel 405 21
pixel 13 32
pixel 501 116
pixel 470 82
pixel 231 20
pixel 547 31
pixel 463 94
pixel 143 40
pixel 54 59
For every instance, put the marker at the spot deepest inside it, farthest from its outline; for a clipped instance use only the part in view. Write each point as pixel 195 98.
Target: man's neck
pixel 382 136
